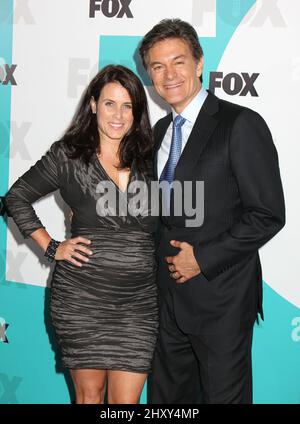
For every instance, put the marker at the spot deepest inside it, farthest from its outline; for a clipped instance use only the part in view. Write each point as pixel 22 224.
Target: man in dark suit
pixel 209 276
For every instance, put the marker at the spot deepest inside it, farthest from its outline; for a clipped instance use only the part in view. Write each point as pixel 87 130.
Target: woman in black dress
pixel 103 292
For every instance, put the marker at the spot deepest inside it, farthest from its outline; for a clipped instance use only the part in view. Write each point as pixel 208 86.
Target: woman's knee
pixel 90 386
pixel 92 394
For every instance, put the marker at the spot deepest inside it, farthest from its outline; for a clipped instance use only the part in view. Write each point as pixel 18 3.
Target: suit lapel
pixel 203 128
pixel 159 133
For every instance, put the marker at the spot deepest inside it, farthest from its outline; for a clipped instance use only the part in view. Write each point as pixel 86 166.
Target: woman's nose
pixel 118 112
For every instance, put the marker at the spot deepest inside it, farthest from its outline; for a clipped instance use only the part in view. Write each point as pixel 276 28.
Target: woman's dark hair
pixel 171 28
pixel 82 136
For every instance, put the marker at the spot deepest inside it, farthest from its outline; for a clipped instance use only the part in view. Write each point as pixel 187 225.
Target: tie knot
pixel 179 121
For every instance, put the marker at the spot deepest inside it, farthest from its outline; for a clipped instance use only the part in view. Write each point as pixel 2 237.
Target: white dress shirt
pixel 190 113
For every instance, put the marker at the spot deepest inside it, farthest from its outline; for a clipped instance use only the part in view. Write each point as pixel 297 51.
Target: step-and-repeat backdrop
pixel 49 51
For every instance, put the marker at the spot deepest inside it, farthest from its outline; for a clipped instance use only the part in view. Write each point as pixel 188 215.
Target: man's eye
pixel 108 103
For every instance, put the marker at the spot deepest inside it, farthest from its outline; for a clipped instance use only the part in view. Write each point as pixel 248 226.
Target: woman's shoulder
pixel 60 149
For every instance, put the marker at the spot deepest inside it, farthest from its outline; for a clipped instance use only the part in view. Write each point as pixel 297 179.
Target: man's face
pixel 174 72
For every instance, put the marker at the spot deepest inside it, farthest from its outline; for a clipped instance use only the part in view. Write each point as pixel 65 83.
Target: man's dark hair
pixel 171 28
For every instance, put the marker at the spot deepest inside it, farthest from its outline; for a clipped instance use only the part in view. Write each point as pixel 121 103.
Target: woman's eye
pixel 108 103
pixel 128 106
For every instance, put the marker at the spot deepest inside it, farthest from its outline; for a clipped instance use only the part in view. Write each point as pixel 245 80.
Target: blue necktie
pixel 174 155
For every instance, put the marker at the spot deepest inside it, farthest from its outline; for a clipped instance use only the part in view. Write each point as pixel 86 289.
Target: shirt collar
pixel 191 111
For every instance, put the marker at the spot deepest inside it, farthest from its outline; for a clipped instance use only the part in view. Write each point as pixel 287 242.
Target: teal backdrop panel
pixel 28 370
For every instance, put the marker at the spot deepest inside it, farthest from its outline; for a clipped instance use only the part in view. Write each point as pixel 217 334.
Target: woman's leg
pixel 89 385
pixel 125 387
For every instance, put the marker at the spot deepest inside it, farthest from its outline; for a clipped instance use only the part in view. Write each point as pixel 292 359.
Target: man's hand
pixel 183 266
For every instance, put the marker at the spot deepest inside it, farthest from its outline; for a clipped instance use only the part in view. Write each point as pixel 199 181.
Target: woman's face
pixel 114 112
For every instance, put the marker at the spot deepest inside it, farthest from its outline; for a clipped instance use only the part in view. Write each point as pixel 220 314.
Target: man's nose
pixel 170 72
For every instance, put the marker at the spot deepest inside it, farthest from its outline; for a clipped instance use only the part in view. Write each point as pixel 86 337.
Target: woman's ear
pixel 93 105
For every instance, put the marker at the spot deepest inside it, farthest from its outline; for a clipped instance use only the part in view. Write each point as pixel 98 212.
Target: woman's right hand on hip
pixel 68 250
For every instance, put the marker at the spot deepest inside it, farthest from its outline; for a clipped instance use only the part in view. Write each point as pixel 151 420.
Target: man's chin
pixel 178 106
pixel 174 101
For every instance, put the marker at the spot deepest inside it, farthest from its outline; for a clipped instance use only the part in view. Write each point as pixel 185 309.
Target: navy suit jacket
pixel 232 151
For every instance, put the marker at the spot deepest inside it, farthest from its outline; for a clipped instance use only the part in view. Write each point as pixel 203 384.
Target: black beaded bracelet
pixel 51 250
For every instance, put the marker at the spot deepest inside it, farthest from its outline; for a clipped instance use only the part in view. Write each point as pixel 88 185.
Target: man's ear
pixel 93 105
pixel 199 68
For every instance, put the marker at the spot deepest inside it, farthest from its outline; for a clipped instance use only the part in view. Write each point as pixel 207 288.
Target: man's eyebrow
pixel 156 62
pixel 181 56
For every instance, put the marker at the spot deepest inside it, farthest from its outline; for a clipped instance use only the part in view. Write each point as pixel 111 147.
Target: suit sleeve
pixel 41 179
pixel 254 163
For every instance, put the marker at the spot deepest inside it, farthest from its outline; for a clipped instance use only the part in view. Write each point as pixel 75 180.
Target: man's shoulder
pixel 227 108
pixel 233 114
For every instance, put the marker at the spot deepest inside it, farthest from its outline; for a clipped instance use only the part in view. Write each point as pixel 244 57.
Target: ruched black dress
pixel 105 313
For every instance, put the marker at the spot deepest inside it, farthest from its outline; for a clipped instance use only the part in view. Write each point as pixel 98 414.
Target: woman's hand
pixel 68 250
